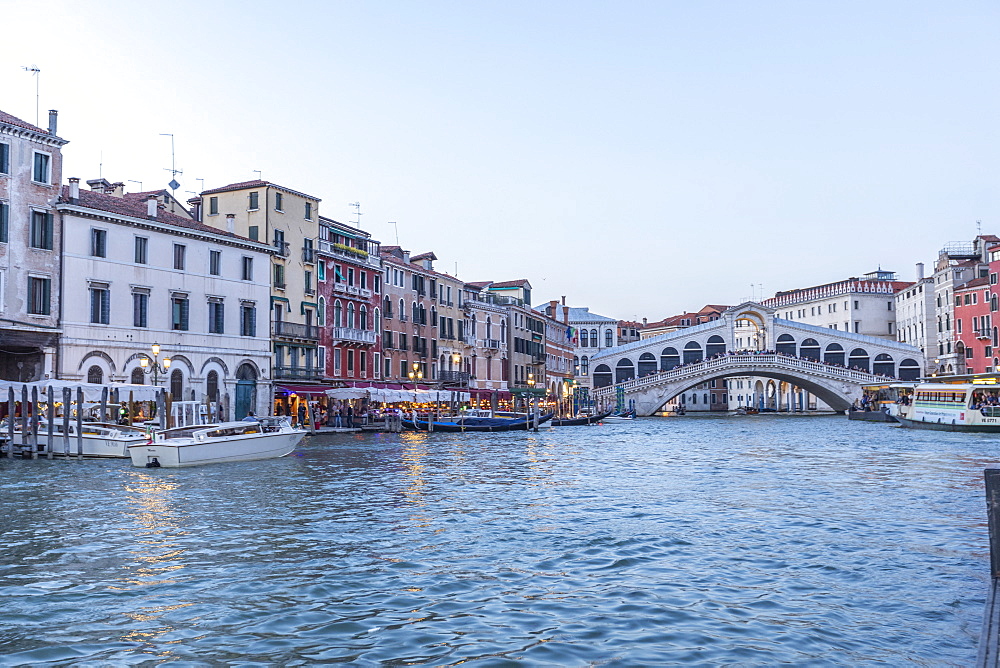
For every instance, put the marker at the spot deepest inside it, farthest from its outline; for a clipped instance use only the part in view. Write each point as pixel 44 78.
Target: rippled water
pixel 714 540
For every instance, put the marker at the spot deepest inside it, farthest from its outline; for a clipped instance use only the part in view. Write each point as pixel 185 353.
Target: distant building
pixel 590 333
pixel 915 316
pixel 974 342
pixel 708 313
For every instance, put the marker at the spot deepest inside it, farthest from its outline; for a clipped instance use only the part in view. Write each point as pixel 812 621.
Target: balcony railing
pixel 283 248
pixel 366 259
pixel 459 377
pixel 294 330
pixel 984 334
pixel 469 339
pixel 353 335
pixel 309 254
pixel 279 285
pixel 492 344
pixel 296 373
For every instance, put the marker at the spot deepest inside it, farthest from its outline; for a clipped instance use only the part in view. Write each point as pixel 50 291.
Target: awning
pixel 347 393
pixel 303 389
pixel 91 391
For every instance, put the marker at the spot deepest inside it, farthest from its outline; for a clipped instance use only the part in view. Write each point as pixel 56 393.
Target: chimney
pixel 643 322
pixel 920 271
pixel 151 206
pixel 195 203
pixel 52 121
pixel 565 314
pixel 99 185
pixel 74 189
pixel 564 300
pixel 231 223
pixel 551 311
pixel 117 189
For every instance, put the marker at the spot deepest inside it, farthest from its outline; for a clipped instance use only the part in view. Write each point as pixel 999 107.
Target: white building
pixel 590 333
pixel 136 274
pixel 915 315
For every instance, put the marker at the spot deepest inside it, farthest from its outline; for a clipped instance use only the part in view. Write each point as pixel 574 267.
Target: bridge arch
pixel 669 358
pixel 716 345
pixel 692 352
pixel 884 365
pixel 785 345
pixel 809 349
pixel 858 359
pixel 834 354
pixel 909 369
pixel 647 364
pixel 625 370
pixel 603 376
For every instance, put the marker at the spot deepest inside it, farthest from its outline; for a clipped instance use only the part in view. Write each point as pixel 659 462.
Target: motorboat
pixel 951 407
pixel 463 423
pixel 264 438
pixel 98 439
pixel 581 420
pixel 627 416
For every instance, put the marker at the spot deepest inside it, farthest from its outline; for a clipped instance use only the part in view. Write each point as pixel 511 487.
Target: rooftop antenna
pixel 37 73
pixel 139 182
pixel 357 212
pixel 396 226
pixel 100 167
pixel 202 181
pixel 979 228
pixel 258 173
pixel 173 167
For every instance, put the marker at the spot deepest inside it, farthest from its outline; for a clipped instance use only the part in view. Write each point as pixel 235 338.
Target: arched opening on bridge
pixel 785 345
pixel 909 369
pixel 758 395
pixel 647 364
pixel 716 345
pixel 834 354
pixel 692 352
pixel 669 358
pixel 624 371
pixel 884 366
pixel 809 350
pixel 858 359
pixel 771 398
pixel 749 332
pixel 602 375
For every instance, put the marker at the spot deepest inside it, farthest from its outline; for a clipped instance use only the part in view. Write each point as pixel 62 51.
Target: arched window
pixel 363 317
pixel 402 312
pixel 834 354
pixel 585 365
pixel 608 338
pixel 602 375
pixel 338 314
pixel 350 315
pixel 585 339
pixel 576 365
pixel 376 320
pixel 95 375
pixel 624 370
pixel 138 377
pixel 809 350
pixel 489 327
pixel 669 358
pixel 859 359
pixel 321 313
pixel 716 345
pixel 177 385
pixel 415 312
pixel 692 352
pixel 387 306
pixel 647 364
pixel 212 385
pixel 785 345
pixel 503 330
pixel 883 365
pixel 909 369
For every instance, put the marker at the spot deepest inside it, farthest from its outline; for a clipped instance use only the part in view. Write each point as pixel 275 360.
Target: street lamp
pixel 155 369
pixel 416 375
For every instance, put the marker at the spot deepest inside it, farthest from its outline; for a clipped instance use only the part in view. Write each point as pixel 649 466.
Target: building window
pixel 180 252
pixel 39 290
pixel 100 305
pixel 216 317
pixel 179 308
pixel 95 375
pixel 247 269
pixel 176 384
pixel 141 250
pixel 98 243
pixel 248 320
pixel 608 342
pixel 4 158
pixel 4 220
pixel 254 201
pixel 336 361
pixel 278 204
pixel 279 276
pixel 309 210
pixel 40 174
pixel 307 278
pixel 213 206
pixel 41 230
pixel 321 270
pixel 254 232
pixel 140 309
pixel 214 262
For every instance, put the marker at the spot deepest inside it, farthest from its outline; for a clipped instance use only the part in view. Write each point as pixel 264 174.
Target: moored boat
pixel 266 438
pixel 97 439
pixel 577 421
pixel 951 407
pixel 463 423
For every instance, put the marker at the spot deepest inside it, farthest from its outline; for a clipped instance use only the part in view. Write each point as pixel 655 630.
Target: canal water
pixel 750 540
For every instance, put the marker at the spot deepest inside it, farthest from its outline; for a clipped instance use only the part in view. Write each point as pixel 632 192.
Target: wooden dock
pixel 989 638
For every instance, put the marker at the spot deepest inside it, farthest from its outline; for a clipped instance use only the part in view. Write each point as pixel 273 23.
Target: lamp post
pixel 155 368
pixel 416 375
pixel 532 404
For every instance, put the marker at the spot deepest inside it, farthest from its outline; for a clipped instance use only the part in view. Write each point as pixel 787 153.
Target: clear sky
pixel 641 158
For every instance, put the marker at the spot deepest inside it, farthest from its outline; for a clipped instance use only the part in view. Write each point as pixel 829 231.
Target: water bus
pixel 971 406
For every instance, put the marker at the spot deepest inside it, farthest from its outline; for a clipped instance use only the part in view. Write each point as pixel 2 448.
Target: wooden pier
pixel 989 639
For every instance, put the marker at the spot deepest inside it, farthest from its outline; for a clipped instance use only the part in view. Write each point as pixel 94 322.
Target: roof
pixel 519 283
pixel 582 314
pixel 134 206
pixel 478 284
pixel 423 256
pixel 14 120
pixel 974 283
pixel 257 183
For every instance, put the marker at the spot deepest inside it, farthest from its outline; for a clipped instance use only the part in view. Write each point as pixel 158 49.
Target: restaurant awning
pixel 308 390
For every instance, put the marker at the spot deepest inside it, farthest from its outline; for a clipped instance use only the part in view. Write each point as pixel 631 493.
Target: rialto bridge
pixel 750 341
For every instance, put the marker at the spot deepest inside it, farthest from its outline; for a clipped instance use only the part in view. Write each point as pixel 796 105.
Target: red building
pixel 349 298
pixel 975 336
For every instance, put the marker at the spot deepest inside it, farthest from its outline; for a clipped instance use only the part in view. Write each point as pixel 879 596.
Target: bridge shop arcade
pixel 787 365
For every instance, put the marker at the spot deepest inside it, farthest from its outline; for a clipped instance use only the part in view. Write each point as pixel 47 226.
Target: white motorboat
pixel 266 438
pixel 98 439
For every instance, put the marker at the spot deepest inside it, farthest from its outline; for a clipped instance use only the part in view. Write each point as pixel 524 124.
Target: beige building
pixel 288 220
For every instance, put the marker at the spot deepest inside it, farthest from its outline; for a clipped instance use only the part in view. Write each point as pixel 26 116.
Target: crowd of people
pixel 731 353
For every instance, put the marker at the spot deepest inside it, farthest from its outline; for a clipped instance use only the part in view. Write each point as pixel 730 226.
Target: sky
pixel 639 158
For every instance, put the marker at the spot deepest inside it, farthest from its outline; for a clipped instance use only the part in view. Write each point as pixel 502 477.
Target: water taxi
pixel 265 438
pixel 952 407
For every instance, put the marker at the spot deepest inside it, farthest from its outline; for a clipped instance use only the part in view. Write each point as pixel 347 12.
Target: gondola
pixel 574 422
pixel 476 424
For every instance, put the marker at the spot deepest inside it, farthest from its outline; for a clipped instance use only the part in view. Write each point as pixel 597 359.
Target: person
pixel 250 417
pixel 302 414
pixel 338 420
pixel 350 416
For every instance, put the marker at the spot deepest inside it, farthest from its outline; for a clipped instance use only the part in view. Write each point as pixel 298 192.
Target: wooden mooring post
pixel 989 639
pixel 67 398
pixel 50 411
pixel 11 409
pixel 35 405
pixel 79 423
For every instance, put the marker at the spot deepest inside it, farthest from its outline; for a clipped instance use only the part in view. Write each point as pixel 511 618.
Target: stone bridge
pixel 749 340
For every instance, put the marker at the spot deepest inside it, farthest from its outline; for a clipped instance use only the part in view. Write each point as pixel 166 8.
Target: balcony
pixel 340 287
pixel 984 334
pixel 469 339
pixel 353 335
pixel 309 254
pixel 283 248
pixel 354 255
pixel 279 284
pixel 364 292
pixel 491 344
pixel 454 377
pixel 296 373
pixel 294 330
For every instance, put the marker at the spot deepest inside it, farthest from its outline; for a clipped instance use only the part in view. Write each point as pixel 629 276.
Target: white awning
pixel 91 391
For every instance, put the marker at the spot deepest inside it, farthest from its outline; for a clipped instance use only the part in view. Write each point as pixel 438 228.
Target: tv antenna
pixel 259 174
pixel 174 172
pixel 202 181
pixel 37 73
pixel 357 212
pixel 139 182
pixel 396 227
pixel 979 227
